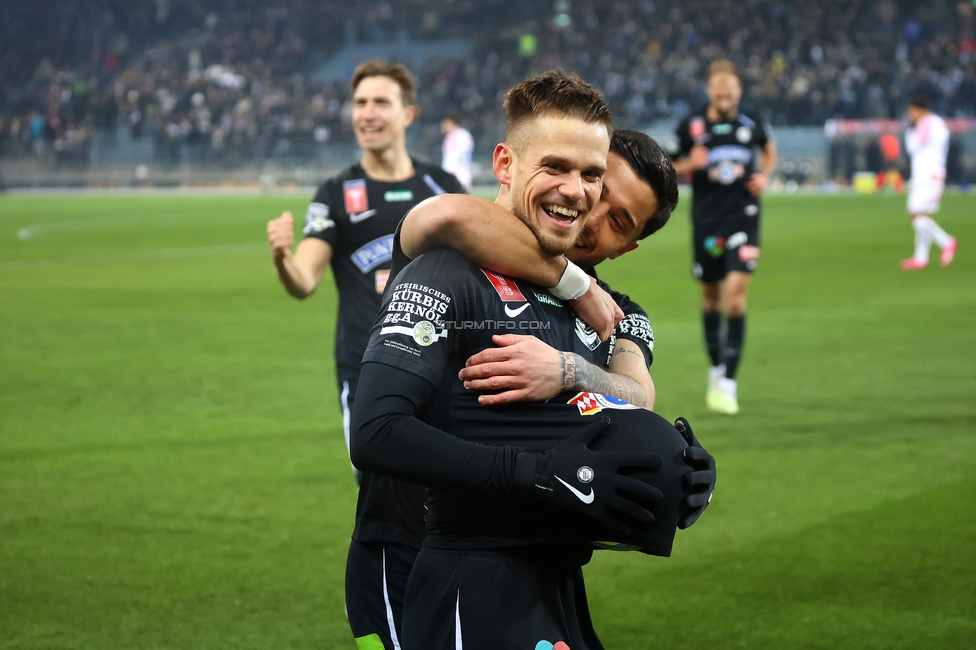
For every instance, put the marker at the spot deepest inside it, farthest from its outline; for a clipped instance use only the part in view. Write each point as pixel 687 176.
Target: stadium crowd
pixel 228 80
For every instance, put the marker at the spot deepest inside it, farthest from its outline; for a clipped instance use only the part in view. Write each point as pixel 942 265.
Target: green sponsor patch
pixel 547 298
pixel 722 129
pixel 398 196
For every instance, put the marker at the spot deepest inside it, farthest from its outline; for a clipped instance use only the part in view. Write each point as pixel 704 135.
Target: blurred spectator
pixel 226 80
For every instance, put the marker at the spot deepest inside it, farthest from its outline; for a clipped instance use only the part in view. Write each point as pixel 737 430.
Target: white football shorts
pixel 925 197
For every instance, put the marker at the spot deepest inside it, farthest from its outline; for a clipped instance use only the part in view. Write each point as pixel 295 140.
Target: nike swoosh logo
pixel 361 216
pixel 512 313
pixel 585 498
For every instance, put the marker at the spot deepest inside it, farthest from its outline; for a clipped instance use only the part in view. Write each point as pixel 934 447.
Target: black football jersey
pixel 357 216
pixel 635 326
pixel 721 204
pixel 440 310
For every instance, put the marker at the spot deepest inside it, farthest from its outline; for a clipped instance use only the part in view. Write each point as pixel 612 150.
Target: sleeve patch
pixel 415 311
pixel 637 326
pixel 411 303
pixel 317 219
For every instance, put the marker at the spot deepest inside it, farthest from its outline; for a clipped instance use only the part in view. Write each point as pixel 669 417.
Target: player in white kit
pixel 457 149
pixel 927 141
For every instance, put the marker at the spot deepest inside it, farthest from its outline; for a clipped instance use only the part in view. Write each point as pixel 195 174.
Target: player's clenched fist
pixel 281 234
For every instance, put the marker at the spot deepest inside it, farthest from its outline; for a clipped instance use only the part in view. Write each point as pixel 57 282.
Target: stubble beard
pixel 724 116
pixel 549 244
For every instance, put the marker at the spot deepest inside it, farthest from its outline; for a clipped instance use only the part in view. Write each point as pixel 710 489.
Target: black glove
pixel 700 481
pixel 574 476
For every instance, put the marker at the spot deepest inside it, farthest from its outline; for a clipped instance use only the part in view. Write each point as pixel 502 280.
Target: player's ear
pixel 409 113
pixel 625 249
pixel 503 163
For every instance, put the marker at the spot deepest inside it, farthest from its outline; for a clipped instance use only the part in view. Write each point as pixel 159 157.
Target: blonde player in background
pixel 927 141
pixel 457 149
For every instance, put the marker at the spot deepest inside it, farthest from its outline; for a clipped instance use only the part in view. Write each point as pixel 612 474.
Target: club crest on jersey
pixel 590 403
pixel 587 334
pixel 354 195
pixel 743 134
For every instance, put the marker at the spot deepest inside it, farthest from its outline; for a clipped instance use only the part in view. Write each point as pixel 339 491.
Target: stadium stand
pixel 229 82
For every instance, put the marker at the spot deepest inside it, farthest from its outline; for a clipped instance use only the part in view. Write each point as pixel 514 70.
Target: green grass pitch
pixel 173 475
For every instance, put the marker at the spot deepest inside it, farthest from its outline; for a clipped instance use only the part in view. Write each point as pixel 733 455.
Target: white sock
pixel 715 374
pixel 728 386
pixel 923 239
pixel 941 237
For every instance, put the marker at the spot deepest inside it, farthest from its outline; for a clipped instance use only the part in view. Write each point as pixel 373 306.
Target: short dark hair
pixel 396 71
pixel 555 92
pixel 651 164
pixel 919 102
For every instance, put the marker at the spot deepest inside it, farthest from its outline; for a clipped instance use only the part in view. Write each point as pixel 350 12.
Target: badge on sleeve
pixel 317 218
pixel 354 194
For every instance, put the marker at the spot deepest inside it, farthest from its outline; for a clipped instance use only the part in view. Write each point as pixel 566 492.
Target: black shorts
pixel 347 396
pixel 487 600
pixel 718 254
pixel 376 580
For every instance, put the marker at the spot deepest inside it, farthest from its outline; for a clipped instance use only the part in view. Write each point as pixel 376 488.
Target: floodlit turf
pixel 172 471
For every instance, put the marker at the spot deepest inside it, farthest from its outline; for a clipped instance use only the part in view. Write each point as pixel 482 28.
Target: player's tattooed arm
pixel 523 368
pixel 579 374
pixel 628 361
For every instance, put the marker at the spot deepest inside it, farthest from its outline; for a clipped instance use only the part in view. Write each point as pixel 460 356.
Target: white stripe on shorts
pixel 457 623
pixel 346 419
pixel 389 610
